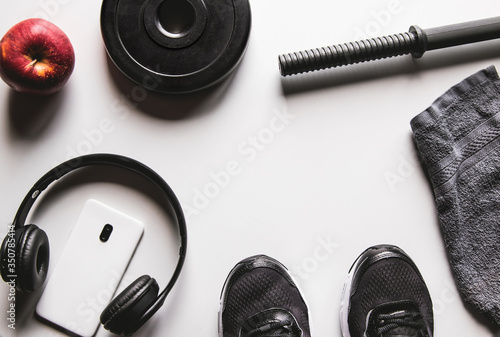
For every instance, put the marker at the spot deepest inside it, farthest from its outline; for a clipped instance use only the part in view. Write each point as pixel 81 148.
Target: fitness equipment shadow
pixel 167 106
pixel 390 67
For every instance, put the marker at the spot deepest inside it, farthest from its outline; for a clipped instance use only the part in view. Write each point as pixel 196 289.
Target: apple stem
pixel 32 63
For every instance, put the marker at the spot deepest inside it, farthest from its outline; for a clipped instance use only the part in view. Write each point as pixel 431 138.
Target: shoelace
pixel 273 322
pixel 407 321
pixel 275 329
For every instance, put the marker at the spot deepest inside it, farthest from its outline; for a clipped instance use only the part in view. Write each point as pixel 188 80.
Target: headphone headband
pixel 121 162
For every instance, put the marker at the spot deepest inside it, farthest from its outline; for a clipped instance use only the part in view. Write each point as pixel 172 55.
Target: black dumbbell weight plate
pixel 176 46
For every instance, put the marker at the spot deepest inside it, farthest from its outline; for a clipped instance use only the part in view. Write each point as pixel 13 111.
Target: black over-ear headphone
pixel 128 311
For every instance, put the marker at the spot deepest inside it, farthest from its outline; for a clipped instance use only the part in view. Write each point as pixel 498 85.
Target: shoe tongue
pixel 398 319
pixel 273 322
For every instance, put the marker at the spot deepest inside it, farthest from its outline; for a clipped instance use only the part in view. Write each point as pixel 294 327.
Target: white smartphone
pixel 91 266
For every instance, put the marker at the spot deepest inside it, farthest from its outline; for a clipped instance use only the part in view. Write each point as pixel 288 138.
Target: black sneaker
pixel 385 296
pixel 260 299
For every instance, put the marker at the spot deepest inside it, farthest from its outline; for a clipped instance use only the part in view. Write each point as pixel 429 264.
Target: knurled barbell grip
pixel 415 42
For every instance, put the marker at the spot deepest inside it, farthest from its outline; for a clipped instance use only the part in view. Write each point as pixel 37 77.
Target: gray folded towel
pixel 458 140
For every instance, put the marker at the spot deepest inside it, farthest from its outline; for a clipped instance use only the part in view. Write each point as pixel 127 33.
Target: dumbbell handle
pixel 415 42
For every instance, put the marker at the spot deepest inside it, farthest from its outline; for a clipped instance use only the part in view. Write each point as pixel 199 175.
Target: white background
pixel 339 174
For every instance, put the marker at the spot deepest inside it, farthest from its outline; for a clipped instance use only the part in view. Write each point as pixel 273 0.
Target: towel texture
pixel 458 140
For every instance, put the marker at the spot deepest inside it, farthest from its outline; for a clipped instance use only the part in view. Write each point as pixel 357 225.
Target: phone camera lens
pixel 106 233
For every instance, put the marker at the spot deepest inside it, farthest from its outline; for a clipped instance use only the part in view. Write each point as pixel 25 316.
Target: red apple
pixel 36 57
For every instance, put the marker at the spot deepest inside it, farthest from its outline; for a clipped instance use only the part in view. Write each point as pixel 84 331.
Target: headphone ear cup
pixel 32 258
pixel 123 314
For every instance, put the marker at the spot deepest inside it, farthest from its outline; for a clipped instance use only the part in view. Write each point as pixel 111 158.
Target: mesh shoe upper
pixel 254 287
pixel 388 296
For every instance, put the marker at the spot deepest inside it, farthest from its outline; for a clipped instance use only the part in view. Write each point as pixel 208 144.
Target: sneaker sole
pixel 247 264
